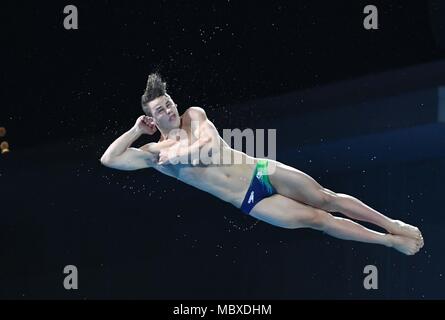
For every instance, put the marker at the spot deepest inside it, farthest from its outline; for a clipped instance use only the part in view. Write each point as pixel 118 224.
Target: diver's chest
pixel 185 137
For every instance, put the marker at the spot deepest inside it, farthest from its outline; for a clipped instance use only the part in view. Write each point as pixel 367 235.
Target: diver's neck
pixel 165 133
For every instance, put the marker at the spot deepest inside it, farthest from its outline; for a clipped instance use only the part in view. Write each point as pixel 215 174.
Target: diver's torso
pixel 227 180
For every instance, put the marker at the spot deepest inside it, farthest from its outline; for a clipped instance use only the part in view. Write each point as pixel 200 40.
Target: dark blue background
pixel 294 66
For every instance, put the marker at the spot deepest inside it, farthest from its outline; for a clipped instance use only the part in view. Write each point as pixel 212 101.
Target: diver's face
pixel 164 112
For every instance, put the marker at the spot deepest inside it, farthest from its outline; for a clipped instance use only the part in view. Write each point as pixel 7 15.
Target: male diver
pixel 284 197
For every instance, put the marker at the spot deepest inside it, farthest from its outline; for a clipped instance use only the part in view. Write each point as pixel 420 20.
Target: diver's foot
pixel 405 245
pixel 400 228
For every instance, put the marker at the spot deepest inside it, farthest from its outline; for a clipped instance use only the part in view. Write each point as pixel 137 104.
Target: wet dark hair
pixel 155 88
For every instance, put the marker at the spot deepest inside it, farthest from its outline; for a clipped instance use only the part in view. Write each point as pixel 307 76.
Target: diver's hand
pixel 169 155
pixel 163 157
pixel 145 125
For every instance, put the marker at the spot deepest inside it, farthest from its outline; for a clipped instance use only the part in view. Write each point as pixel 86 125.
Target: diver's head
pixel 157 104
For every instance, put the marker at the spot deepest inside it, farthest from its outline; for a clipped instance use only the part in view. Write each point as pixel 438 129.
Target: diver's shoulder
pixel 195 112
pixel 195 109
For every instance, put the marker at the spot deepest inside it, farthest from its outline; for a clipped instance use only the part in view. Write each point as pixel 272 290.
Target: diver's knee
pixel 317 219
pixel 328 200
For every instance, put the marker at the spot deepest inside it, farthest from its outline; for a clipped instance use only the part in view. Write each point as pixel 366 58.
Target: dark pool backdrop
pixel 361 111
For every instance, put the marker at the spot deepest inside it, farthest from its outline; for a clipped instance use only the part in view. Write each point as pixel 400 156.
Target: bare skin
pixel 300 201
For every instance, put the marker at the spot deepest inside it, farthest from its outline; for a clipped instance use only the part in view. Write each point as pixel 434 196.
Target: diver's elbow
pixel 105 160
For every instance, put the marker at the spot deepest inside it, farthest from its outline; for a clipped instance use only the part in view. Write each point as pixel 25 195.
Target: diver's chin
pixel 174 122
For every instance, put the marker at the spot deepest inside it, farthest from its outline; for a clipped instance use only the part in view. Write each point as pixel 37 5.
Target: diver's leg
pixel 288 213
pixel 297 185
